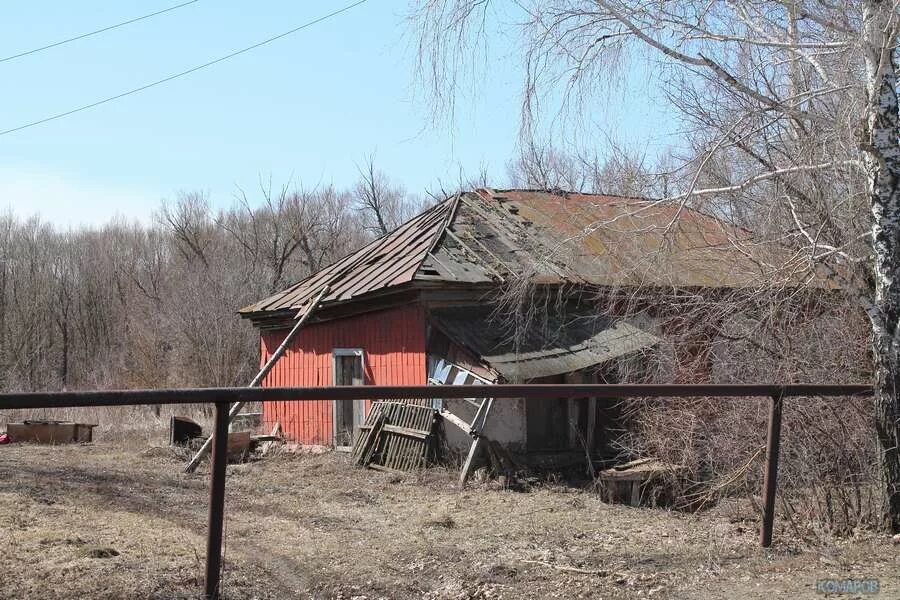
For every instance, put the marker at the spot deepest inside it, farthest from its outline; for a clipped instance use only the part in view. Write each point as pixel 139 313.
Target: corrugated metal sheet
pixel 556 344
pixel 390 260
pixel 394 345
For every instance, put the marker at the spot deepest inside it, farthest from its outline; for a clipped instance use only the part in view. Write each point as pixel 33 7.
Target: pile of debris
pixel 646 481
pixel 241 444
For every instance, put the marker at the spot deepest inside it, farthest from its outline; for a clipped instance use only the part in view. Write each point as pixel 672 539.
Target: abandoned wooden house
pixel 417 307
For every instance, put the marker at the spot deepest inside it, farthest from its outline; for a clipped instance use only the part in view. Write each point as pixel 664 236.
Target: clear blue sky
pixel 309 107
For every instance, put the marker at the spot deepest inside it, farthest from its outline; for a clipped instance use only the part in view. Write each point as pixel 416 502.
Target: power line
pixel 90 33
pixel 182 73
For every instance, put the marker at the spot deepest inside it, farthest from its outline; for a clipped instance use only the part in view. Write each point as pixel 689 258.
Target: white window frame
pixel 335 352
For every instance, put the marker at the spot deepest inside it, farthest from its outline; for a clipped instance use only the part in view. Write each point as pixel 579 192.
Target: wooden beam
pixel 470 458
pixel 770 477
pixel 450 417
pixel 415 433
pixel 476 444
pixel 204 449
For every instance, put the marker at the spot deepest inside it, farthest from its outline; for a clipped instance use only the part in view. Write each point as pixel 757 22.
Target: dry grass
pixel 119 520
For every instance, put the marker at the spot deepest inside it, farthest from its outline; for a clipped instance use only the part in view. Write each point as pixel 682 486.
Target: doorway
pixel 348 367
pixel 547 420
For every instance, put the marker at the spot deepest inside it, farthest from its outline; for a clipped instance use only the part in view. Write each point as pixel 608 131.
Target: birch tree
pixel 790 117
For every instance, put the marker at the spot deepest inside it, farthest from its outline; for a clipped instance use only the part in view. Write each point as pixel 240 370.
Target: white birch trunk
pixel 883 166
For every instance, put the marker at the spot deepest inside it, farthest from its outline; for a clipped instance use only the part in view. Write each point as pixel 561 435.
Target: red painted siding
pixel 394 344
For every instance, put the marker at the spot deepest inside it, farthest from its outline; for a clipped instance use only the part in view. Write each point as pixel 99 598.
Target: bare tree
pixel 384 204
pixel 191 225
pixel 465 181
pixel 130 305
pixel 793 105
pixel 623 173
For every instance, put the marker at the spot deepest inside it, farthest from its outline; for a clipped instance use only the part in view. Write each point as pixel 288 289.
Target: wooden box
pixel 50 432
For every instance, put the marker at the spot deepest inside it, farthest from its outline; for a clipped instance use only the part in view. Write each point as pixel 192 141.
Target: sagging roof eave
pixel 571 348
pixel 285 317
pixel 279 319
pixel 335 309
pixel 473 353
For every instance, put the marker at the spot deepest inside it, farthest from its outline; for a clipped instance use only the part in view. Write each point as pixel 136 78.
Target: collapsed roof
pixel 488 236
pixel 557 343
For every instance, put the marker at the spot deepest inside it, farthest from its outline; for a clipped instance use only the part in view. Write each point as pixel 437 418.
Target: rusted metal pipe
pixel 387 392
pixel 218 462
pixel 770 477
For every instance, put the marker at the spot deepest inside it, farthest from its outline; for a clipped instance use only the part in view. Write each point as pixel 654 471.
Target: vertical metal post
pixel 218 462
pixel 770 478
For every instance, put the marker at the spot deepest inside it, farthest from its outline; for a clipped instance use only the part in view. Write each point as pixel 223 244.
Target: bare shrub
pixel 828 477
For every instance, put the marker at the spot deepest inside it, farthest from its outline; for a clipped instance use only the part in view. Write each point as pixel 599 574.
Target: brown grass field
pixel 120 520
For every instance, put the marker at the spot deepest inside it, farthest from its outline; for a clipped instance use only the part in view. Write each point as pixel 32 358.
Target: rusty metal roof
pixel 487 236
pixel 390 260
pixel 590 238
pixel 557 343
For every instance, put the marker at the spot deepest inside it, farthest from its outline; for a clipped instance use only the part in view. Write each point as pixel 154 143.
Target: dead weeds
pixel 117 520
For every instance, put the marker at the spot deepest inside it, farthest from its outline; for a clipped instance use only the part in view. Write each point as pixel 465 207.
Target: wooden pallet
pixel 396 437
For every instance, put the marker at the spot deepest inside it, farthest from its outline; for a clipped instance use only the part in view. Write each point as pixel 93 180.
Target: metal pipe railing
pixel 223 397
pixel 387 392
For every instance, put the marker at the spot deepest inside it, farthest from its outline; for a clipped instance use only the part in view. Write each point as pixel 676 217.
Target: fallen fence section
pixel 396 437
pixel 223 397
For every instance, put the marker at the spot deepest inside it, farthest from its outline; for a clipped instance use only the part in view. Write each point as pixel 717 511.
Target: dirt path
pixel 118 521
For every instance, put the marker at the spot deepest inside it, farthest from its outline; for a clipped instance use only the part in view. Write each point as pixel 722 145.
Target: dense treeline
pixel 153 305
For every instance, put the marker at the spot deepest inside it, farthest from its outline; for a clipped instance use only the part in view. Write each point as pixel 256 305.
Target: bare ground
pixel 119 520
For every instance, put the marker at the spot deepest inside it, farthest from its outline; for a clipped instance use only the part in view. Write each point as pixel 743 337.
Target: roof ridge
pixel 559 191
pixel 451 214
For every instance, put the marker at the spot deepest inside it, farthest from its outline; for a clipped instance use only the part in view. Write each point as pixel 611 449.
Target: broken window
pixel 444 372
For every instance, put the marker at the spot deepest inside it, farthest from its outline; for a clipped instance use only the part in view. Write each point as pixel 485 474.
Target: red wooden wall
pixel 394 345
